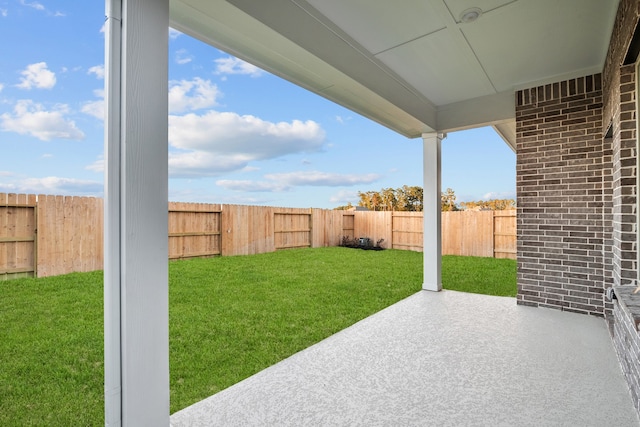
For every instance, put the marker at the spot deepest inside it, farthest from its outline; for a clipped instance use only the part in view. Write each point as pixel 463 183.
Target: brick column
pixel 563 179
pixel 623 130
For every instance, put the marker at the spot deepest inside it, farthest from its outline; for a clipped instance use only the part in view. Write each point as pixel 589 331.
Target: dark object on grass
pixel 361 243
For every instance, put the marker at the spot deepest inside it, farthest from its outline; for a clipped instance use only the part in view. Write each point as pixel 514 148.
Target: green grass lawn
pixel 229 318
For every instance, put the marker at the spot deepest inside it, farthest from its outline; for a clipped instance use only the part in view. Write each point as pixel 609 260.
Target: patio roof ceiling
pixel 411 65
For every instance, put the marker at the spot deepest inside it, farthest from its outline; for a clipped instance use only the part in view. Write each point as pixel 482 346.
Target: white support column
pixel 136 204
pixel 432 243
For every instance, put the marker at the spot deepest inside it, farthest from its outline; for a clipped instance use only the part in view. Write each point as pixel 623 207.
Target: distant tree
pixel 448 201
pixel 344 208
pixel 410 198
pixel 389 199
pixel 502 204
pixel 493 204
pixel 376 201
pixel 406 198
pixel 365 199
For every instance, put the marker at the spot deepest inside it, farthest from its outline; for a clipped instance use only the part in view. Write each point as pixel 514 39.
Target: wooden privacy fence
pixel 200 229
pixel 479 233
pixel 53 235
pixel 468 233
pixel 18 239
pixel 66 238
pixel 194 230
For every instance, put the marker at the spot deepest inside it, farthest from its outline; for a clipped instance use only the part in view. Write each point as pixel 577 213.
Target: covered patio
pixel 556 79
pixel 438 359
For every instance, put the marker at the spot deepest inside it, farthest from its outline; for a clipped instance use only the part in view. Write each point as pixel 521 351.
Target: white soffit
pixel 461 77
pixel 218 23
pixel 411 65
pixel 546 38
pixel 381 25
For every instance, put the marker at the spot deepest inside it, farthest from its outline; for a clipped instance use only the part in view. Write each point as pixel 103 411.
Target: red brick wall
pixel 563 179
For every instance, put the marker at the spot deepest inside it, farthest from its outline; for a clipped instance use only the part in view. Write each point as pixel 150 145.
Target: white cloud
pixel 252 186
pixel 344 196
pixel 29 118
pixel 4 13
pixel 215 142
pixel 97 166
pixel 183 57
pixel 39 6
pixel 231 133
pixel 1 87
pixel 34 4
pixel 95 108
pixel 191 95
pixel 173 33
pixel 324 179
pixel 231 65
pixel 98 70
pixel 37 75
pixel 495 195
pixel 54 185
pixel 201 163
pixel 285 181
pixel 6 187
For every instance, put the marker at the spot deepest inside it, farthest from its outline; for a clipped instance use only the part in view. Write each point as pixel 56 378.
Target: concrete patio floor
pixel 438 359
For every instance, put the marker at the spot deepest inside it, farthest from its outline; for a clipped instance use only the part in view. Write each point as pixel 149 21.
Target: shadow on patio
pixel 445 358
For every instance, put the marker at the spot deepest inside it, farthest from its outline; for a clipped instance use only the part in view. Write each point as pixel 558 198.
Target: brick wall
pixel 619 118
pixel 563 180
pixel 623 29
pixel 623 129
pixel 626 340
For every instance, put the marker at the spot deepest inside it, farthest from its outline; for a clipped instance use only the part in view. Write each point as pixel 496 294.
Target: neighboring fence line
pixel 201 229
pixel 51 235
pixel 467 233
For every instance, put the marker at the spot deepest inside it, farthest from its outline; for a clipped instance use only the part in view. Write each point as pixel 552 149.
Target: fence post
pixel 493 234
pixel 35 238
pixel 311 227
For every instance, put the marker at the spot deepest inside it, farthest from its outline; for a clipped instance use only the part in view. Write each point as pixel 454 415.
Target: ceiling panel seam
pixel 478 60
pixel 409 41
pixel 309 10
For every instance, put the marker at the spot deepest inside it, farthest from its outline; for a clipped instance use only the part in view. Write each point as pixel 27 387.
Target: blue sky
pixel 236 133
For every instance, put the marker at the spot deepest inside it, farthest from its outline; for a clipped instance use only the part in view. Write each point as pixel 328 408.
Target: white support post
pixel 136 224
pixel 432 243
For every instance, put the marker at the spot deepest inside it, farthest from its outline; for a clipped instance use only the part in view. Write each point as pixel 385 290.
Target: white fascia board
pixel 589 71
pixel 507 132
pixel 486 110
pixel 239 34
